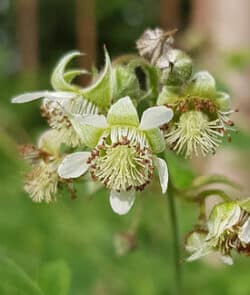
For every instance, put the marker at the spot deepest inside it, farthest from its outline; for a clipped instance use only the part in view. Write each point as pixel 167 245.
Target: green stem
pixel 176 244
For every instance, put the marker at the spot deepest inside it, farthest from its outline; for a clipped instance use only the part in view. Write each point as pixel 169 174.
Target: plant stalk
pixel 176 240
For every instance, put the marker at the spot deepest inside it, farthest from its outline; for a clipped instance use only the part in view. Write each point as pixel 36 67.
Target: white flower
pixel 201 116
pixel 42 182
pixel 68 99
pixel 122 156
pixel 228 228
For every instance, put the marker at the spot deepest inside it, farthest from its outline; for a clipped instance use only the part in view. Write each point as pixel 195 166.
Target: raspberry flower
pixel 42 182
pixel 67 98
pixel 201 116
pixel 123 151
pixel 228 228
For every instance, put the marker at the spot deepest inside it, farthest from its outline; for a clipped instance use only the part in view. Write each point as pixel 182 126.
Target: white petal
pixel 73 165
pixel 155 117
pixel 60 95
pixel 244 234
pixel 162 167
pixel 121 202
pixel 227 259
pixel 92 120
pixel 205 250
pixel 223 216
pixel 30 96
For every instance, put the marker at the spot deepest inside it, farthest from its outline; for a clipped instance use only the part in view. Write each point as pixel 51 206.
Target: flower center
pixel 230 239
pixel 41 182
pixel 123 165
pixel 194 133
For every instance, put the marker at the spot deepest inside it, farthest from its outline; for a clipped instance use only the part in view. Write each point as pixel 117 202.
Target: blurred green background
pixel 68 247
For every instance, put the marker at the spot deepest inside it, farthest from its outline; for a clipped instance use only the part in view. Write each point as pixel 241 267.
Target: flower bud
pixel 125 83
pixel 228 229
pixel 176 67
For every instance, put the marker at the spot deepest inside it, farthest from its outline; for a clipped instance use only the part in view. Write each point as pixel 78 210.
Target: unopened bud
pixel 176 67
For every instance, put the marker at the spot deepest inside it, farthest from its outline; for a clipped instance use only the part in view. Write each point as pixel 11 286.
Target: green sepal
pixel 58 80
pixel 125 83
pixel 71 74
pixel 223 100
pixel 201 85
pixel 168 95
pixel 152 75
pixel 156 140
pixel 123 112
pixel 245 204
pixel 100 93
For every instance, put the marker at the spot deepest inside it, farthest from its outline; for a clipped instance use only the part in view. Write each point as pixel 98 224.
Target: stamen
pixel 41 182
pixel 123 161
pixel 229 239
pixel 194 134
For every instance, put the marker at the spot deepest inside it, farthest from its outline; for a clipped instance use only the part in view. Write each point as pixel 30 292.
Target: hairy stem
pixel 176 243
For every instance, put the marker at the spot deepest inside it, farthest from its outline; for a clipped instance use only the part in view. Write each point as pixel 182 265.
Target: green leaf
pixel 202 85
pixel 55 278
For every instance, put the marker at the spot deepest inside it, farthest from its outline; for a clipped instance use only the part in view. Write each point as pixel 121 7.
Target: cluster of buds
pixel 101 124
